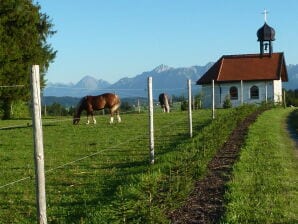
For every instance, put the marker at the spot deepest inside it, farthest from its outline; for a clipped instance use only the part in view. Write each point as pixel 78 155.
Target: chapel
pixel 246 78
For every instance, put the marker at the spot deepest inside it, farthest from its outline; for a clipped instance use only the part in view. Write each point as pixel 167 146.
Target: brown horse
pixel 164 102
pixel 100 102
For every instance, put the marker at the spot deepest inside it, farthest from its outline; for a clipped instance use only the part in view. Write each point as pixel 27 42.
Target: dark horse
pixel 92 103
pixel 164 102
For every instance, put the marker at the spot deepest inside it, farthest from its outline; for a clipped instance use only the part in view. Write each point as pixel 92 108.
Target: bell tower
pixel 266 35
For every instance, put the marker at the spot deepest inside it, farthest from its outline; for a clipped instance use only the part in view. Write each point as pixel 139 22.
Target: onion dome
pixel 266 33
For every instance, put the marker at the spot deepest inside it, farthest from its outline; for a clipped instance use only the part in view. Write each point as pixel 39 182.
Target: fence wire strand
pixel 114 147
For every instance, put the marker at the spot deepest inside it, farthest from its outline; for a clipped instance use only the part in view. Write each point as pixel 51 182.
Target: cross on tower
pixel 265 15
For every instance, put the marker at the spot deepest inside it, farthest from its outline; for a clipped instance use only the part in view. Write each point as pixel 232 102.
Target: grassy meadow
pixel 264 188
pixel 101 173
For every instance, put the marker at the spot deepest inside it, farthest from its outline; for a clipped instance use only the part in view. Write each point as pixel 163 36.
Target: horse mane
pixel 79 107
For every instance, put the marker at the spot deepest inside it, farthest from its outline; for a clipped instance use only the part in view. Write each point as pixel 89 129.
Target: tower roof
pixel 266 33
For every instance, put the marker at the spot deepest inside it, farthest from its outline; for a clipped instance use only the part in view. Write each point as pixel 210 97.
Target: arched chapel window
pixel 254 92
pixel 234 93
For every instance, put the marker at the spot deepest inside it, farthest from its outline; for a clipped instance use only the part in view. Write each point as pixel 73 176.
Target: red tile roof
pixel 247 67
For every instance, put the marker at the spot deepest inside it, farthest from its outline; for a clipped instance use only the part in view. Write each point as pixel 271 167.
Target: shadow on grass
pixel 28 125
pixel 292 125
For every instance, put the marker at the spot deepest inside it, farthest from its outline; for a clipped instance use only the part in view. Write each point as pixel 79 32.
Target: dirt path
pixel 206 203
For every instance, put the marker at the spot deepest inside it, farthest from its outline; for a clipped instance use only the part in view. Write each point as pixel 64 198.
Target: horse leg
pixel 88 122
pixel 114 109
pixel 93 118
pixel 118 116
pixel 167 108
pixel 112 117
pixel 89 112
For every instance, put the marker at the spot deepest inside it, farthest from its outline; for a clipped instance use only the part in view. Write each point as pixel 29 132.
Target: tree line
pixel 24 31
pixel 292 98
pixel 21 109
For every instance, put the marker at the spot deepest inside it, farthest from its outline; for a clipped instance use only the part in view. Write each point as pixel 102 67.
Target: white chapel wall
pixel 277 86
pixel 267 89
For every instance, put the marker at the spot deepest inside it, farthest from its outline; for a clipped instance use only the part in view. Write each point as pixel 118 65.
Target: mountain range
pixel 293 77
pixel 164 79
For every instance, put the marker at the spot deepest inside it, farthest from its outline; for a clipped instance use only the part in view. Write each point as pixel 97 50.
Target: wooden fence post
pixel 38 146
pixel 213 100
pixel 266 92
pixel 241 92
pixel 139 107
pixel 45 110
pixel 189 108
pixel 151 127
pixel 284 98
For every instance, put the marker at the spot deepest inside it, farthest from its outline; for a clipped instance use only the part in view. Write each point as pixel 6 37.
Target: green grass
pixel 101 173
pixel 264 188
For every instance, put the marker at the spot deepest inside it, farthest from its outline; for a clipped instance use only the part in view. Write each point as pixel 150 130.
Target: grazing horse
pixel 100 102
pixel 164 102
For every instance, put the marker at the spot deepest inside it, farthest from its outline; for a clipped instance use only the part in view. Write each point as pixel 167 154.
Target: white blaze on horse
pixel 92 103
pixel 164 102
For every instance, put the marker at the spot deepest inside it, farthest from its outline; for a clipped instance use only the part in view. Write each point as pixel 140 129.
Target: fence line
pixel 16 181
pixel 93 154
pixel 45 122
pixel 84 157
pixel 115 89
pixel 12 86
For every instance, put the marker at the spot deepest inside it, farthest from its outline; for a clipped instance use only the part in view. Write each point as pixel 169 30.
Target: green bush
pixel 227 102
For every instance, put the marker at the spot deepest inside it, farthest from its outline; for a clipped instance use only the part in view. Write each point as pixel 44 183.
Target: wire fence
pixel 59 122
pixel 101 152
pixel 12 86
pixel 72 152
pixel 163 137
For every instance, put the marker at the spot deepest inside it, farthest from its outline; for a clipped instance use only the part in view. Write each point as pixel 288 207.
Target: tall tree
pixel 24 30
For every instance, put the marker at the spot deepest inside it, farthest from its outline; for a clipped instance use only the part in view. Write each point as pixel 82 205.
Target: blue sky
pixel 112 39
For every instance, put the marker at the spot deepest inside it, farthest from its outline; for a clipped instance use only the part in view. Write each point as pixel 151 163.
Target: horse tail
pixel 118 100
pixel 117 104
pixel 166 101
pixel 78 111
